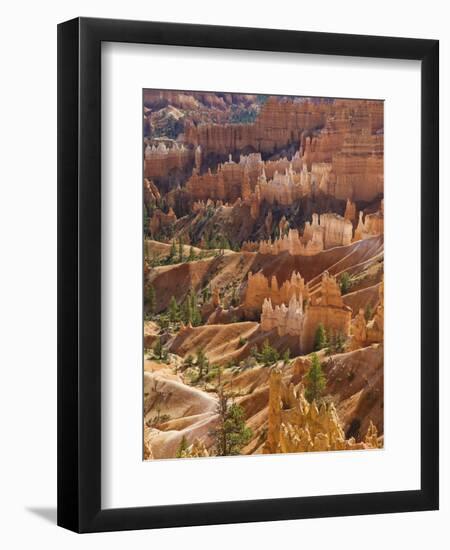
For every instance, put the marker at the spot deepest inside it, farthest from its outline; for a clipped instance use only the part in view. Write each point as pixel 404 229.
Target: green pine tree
pixel 146 221
pixel 186 311
pixel 268 355
pixel 174 313
pixel 159 351
pixel 150 299
pixel 196 318
pixel 286 356
pixel 191 256
pixel 235 297
pixel 315 380
pixel 202 363
pixel 206 294
pixel 331 342
pixel 345 282
pixel 188 362
pixel 173 252
pixel 180 250
pixel 340 342
pixel 320 338
pixel 231 433
pixel 254 352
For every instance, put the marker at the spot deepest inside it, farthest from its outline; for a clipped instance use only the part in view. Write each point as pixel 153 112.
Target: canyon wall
pixel 358 168
pixel 280 123
pixel 283 121
pixel 301 317
pixel 277 180
pixel 335 148
pixel 160 160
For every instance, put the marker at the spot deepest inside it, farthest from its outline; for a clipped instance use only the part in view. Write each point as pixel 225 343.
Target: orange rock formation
pixel 350 211
pixel 160 220
pixel 279 123
pixel 160 160
pixel 295 426
pixel 259 288
pixel 297 319
pixel 373 224
pixel 293 244
pixel 363 332
pixel 328 231
pixel 151 192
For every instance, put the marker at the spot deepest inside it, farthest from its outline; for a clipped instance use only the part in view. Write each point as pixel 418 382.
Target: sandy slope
pixel 355 382
pixel 231 270
pixel 191 413
pixel 360 299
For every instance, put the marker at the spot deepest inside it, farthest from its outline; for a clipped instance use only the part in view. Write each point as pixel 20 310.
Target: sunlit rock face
pixel 358 167
pixel 160 160
pixel 366 331
pixel 295 426
pixel 259 288
pixel 258 211
pixel 280 123
pixel 372 224
pixel 300 316
pixel 326 231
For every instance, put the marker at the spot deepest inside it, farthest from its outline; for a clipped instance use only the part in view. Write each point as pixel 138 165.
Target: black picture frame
pixel 79 274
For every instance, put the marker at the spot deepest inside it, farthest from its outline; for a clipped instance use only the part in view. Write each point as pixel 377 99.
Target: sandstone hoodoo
pixel 263 274
pixel 327 310
pixel 295 425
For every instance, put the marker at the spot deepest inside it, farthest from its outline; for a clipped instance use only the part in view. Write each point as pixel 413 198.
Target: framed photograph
pixel 247 275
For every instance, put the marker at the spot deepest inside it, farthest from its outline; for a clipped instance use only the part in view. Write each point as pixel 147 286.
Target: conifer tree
pixel 345 282
pixel 206 294
pixel 368 312
pixel 315 380
pixel 173 252
pixel 268 355
pixel 174 313
pixel 340 342
pixel 186 312
pixel 286 355
pixel 235 297
pixel 146 220
pixel 320 338
pixel 332 339
pixel 150 299
pixel 196 318
pixel 231 433
pixel 180 250
pixel 159 351
pixel 202 363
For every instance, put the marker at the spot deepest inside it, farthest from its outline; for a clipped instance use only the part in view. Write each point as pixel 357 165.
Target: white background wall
pixel 28 271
